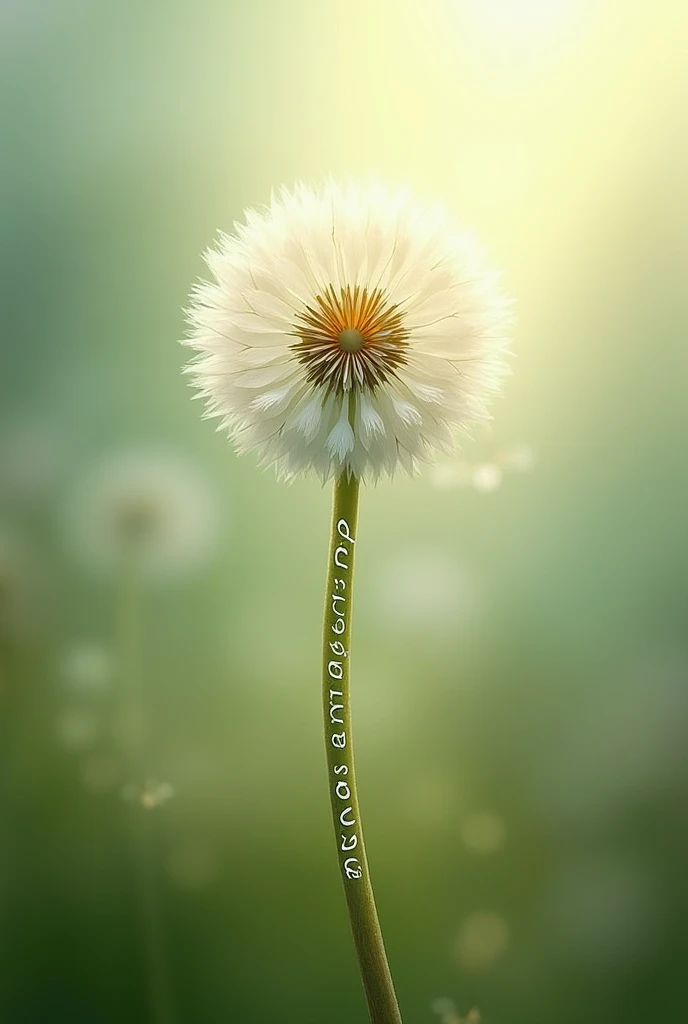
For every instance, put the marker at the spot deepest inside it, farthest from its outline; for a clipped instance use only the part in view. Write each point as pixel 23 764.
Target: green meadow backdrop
pixel 520 678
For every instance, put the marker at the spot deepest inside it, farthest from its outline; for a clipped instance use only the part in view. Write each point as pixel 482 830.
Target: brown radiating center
pixel 350 338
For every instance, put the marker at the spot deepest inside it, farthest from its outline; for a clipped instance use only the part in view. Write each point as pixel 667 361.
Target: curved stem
pixel 370 949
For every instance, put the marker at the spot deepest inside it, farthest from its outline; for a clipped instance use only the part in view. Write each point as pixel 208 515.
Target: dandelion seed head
pixel 143 504
pixel 347 329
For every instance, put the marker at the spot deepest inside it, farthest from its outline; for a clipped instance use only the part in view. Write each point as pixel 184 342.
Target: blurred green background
pixel 521 640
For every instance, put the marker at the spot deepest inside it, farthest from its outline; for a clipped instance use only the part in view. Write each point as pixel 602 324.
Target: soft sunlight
pixel 528 21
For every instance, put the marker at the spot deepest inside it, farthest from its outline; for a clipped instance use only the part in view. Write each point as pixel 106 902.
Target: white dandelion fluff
pixel 149 504
pixel 347 330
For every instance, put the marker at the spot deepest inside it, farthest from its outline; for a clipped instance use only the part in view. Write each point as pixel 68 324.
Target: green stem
pixel 370 949
pixel 132 738
pixel 130 724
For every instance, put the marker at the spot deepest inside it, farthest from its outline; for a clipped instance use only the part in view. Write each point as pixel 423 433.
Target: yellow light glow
pixel 524 19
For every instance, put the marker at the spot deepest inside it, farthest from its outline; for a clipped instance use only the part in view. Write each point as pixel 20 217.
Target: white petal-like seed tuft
pixel 347 329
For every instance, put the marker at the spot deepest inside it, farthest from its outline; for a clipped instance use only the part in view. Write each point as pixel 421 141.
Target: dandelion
pixel 350 332
pixel 149 507
pixel 347 331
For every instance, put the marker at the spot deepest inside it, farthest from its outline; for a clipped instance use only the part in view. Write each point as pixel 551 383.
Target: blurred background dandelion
pixel 521 670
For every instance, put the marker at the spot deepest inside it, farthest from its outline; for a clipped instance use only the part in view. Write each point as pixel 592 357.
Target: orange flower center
pixel 351 338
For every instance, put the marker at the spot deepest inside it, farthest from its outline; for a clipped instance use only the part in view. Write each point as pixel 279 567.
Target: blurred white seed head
pixel 347 329
pixel 152 506
pixel 86 667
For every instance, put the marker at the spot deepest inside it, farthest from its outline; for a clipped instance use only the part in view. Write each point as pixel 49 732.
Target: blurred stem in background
pixel 8 651
pixel 370 949
pixel 11 731
pixel 132 735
